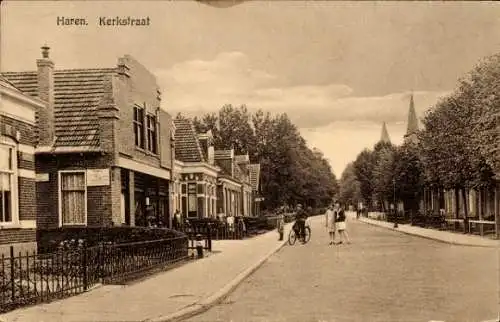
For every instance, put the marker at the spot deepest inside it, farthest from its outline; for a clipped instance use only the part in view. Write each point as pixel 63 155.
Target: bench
pixel 481 223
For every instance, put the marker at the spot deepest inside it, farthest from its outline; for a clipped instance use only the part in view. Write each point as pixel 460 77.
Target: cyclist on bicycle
pixel 300 222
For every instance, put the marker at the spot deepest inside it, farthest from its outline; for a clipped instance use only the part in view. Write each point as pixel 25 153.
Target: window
pixel 8 186
pixel 151 133
pixel 73 198
pixel 139 126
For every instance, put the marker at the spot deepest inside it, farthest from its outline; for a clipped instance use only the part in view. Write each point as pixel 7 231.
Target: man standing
pixel 330 223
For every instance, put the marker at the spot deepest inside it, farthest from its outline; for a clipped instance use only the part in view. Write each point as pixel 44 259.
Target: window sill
pixel 147 152
pixel 10 226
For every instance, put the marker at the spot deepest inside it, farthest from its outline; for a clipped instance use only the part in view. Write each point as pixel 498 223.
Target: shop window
pixel 8 186
pixel 201 207
pixel 73 198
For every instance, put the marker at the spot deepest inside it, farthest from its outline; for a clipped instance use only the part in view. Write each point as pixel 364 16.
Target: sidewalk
pixel 167 296
pixel 443 236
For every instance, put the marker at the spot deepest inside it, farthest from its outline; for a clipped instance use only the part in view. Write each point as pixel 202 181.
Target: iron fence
pixel 33 278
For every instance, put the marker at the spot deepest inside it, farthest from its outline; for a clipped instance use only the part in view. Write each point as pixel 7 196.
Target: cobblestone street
pixel 382 276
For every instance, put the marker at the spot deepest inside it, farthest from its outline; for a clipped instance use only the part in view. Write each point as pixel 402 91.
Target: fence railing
pixel 33 278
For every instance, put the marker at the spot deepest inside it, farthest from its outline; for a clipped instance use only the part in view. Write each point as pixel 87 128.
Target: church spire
pixel 412 118
pixel 385 135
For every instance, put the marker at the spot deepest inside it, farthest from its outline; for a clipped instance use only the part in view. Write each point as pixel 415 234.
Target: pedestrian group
pixel 336 222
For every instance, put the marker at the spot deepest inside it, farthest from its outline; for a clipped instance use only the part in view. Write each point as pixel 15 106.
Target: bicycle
pixel 292 237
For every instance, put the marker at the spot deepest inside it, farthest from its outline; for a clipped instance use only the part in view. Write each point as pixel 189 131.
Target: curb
pixel 217 297
pixel 450 242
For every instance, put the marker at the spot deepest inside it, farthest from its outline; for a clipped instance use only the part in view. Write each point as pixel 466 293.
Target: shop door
pixel 140 210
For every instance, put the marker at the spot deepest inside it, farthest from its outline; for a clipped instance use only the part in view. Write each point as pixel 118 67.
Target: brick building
pixel 254 178
pixel 104 152
pixel 17 168
pixel 236 195
pixel 195 174
pixel 209 182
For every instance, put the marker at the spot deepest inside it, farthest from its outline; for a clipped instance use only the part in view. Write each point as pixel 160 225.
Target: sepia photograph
pixel 249 161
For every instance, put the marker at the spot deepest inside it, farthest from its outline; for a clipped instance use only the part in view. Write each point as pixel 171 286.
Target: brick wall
pixel 99 201
pixel 26 185
pixel 25 129
pixel 9 236
pixel 137 86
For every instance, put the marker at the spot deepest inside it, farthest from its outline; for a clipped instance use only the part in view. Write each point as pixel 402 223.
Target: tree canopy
pixel 458 147
pixel 291 172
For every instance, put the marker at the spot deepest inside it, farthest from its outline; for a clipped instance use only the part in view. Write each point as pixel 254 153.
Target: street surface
pixel 382 276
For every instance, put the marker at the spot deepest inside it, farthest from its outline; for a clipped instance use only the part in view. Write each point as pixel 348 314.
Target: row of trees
pixel 458 147
pixel 291 172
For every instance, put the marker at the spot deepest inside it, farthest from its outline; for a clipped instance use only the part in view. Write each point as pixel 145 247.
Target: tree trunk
pixel 466 211
pixel 497 211
pixel 457 205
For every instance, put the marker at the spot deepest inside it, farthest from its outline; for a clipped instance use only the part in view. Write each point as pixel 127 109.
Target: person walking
pixel 330 223
pixel 281 225
pixel 340 223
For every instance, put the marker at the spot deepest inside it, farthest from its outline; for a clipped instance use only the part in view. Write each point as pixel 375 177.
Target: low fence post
pixel 209 238
pixel 85 267
pixel 12 277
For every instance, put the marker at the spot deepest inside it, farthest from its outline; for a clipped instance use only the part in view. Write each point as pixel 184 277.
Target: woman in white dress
pixel 330 223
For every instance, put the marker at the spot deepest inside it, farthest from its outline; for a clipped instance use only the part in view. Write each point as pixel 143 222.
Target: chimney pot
pixel 45 51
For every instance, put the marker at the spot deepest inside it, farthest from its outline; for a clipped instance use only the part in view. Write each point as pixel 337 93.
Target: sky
pixel 339 69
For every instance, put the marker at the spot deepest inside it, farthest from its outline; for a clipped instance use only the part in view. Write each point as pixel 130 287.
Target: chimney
pixel 46 123
pixel 211 155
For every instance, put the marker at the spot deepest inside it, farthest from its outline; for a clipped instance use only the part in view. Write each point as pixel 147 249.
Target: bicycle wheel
pixel 307 235
pixel 292 238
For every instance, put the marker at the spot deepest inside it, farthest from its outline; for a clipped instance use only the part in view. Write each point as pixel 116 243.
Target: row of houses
pixel 94 147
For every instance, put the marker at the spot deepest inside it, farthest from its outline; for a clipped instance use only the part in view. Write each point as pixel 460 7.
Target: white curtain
pixel 73 198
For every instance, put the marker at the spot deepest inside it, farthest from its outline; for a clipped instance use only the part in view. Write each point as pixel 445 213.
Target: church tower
pixel 412 126
pixel 384 137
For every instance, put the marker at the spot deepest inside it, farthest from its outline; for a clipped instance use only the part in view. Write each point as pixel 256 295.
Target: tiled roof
pixel 223 154
pixel 4 82
pixel 77 94
pixel 254 175
pixel 187 145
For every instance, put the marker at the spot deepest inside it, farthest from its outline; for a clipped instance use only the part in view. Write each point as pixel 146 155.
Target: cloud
pixel 330 117
pixel 199 86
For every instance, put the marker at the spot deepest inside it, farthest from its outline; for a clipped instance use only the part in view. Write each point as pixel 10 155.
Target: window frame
pixel 60 196
pixel 139 126
pixel 151 133
pixel 14 186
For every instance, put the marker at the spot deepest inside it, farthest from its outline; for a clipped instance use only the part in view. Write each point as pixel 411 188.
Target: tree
pixel 363 169
pixel 383 172
pixel 290 171
pixel 409 176
pixel 449 155
pixel 349 186
pixel 480 89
